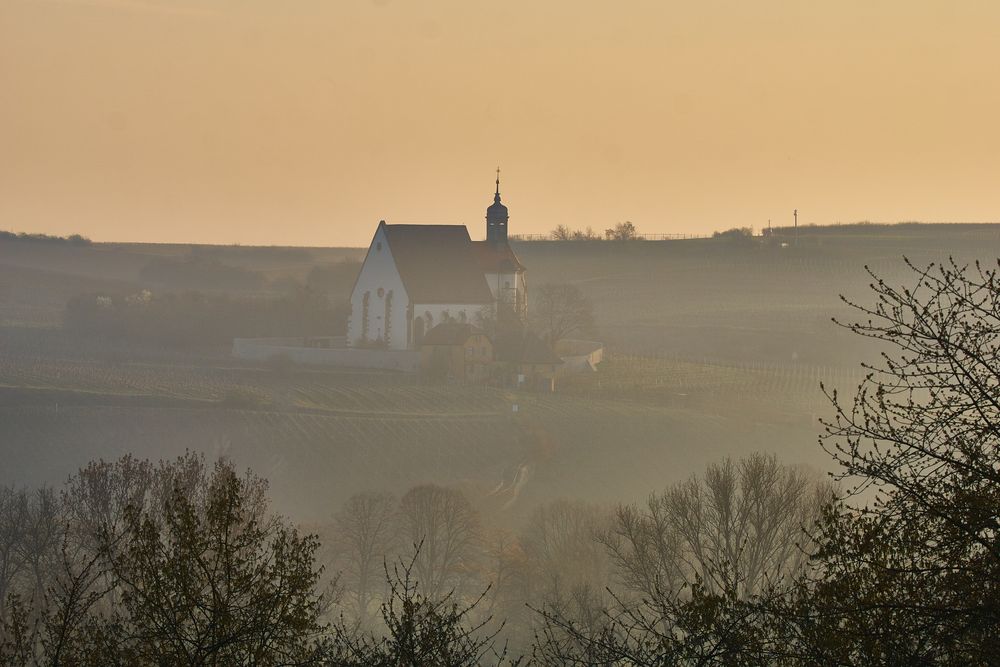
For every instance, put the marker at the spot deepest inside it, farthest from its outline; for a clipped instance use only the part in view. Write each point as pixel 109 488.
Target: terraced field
pixel 771 387
pixel 312 460
pixel 320 435
pixel 572 448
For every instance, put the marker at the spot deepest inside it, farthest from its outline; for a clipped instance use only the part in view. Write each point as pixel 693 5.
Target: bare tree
pixel 561 309
pixel 705 559
pixel 43 539
pixel 647 550
pixel 506 566
pixel 95 498
pixel 13 518
pixel 706 629
pixel 209 579
pixel 60 626
pixel 623 231
pixel 569 569
pixel 437 631
pixel 919 564
pixel 364 535
pixel 737 528
pixel 562 233
pixel 203 574
pixel 446 526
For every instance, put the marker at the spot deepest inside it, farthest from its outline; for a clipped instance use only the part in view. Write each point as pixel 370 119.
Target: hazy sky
pixel 306 121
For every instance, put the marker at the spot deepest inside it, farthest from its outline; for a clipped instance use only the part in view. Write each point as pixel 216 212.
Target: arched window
pixel 364 315
pixel 388 315
pixel 418 330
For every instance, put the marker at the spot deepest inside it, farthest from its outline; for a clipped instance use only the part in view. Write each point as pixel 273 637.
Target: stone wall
pixel 292 349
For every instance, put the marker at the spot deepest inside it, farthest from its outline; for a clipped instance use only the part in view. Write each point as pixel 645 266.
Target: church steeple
pixel 496 218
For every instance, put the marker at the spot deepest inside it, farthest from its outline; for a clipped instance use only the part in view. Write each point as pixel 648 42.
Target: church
pixel 415 277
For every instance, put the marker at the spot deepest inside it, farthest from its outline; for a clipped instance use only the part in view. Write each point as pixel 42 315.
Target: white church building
pixel 417 276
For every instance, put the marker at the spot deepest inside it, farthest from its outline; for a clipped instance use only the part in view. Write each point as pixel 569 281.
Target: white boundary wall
pixel 267 349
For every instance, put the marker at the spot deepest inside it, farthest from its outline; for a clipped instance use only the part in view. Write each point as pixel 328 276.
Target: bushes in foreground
pixel 912 577
pixel 179 563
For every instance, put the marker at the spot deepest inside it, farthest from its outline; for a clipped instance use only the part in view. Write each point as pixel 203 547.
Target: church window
pixel 364 315
pixel 378 247
pixel 388 314
pixel 462 316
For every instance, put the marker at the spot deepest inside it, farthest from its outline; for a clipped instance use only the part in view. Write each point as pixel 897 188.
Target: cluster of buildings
pixel 461 303
pixel 430 299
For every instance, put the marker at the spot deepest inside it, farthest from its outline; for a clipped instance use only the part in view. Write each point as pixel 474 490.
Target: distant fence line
pixel 792 368
pixel 640 237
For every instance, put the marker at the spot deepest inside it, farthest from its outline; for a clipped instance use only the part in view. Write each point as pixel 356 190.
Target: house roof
pixel 438 264
pixel 526 348
pixel 496 257
pixel 450 333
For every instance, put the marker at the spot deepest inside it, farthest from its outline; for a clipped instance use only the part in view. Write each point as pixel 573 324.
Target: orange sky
pixel 306 121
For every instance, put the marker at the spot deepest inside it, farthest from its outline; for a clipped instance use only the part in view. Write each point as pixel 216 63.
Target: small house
pixel 530 360
pixel 457 351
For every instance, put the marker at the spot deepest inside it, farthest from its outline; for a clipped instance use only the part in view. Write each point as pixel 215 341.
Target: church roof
pixel 438 264
pixel 496 257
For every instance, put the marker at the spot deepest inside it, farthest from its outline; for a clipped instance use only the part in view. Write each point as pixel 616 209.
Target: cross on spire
pixel 496 217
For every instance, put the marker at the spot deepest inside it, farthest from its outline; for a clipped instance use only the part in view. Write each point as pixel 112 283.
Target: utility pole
pixel 795 213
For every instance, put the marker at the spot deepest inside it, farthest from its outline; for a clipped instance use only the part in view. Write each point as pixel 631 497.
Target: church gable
pixel 379 263
pixel 379 300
